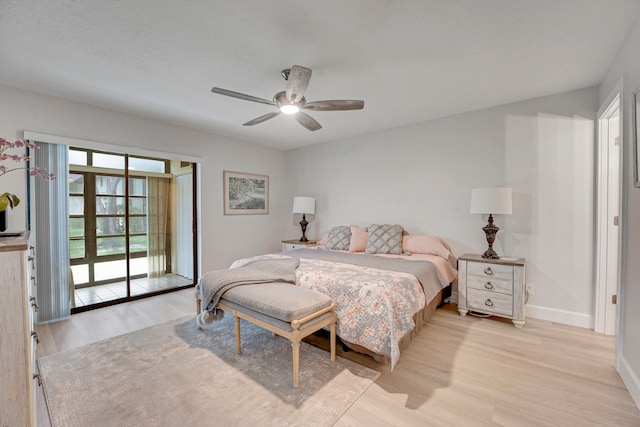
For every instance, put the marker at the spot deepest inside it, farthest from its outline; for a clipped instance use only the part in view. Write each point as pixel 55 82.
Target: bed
pixel 383 299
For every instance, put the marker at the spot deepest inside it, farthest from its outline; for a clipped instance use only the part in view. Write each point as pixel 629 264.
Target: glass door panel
pixel 124 228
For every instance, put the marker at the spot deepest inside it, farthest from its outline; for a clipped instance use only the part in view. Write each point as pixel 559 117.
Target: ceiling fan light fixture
pixel 291 101
pixel 289 108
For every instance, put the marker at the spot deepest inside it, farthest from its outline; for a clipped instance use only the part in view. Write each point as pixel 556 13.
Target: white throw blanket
pixel 215 283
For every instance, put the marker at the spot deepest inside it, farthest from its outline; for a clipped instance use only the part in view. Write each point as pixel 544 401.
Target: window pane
pixel 137 186
pixel 76 227
pixel 137 206
pixel 139 266
pixel 108 205
pixel 147 165
pixel 76 205
pixel 110 270
pixel 111 185
pixel 138 243
pixel 110 246
pixel 138 224
pixel 113 161
pixel 77 157
pixel 110 225
pixel 76 183
pixel 80 273
pixel 76 249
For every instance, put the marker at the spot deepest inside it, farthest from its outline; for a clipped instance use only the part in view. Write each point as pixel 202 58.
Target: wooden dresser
pixel 17 337
pixel 492 286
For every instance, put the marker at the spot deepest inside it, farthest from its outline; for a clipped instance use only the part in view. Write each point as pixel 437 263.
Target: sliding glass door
pixel 123 227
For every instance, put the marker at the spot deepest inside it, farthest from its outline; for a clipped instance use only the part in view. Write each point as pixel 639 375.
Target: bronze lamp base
pixel 490 231
pixel 303 225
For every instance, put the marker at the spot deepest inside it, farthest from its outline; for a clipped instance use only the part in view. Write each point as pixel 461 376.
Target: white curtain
pixel 157 213
pixel 184 226
pixel 51 227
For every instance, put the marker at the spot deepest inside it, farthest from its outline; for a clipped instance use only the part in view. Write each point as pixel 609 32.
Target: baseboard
pixel 572 318
pixel 630 379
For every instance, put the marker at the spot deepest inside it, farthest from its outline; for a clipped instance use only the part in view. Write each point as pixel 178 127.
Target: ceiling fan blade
pixel 334 105
pixel 297 82
pixel 307 121
pixel 239 95
pixel 262 118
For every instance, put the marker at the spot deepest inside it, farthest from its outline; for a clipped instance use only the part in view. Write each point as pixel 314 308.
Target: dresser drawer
pixel 487 270
pixel 292 246
pixel 490 302
pixel 289 245
pixel 490 284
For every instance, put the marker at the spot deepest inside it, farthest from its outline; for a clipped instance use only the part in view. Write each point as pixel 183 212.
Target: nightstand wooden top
pixel 503 261
pixel 298 242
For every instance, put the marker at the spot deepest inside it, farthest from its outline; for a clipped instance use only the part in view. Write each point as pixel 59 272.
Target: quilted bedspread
pixel 375 306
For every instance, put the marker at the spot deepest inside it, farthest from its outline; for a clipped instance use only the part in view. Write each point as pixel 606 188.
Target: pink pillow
pixel 359 238
pixel 423 244
pixel 325 238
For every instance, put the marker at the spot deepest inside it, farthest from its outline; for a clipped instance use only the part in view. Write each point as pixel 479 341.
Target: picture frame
pixel 635 111
pixel 245 193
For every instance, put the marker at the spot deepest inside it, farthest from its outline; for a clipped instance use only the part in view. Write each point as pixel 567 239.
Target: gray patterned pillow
pixel 339 238
pixel 384 239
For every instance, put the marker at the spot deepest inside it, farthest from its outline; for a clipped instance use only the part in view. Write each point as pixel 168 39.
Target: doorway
pixel 126 217
pixel 607 215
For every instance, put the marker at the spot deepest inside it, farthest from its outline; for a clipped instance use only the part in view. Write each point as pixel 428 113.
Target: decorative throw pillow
pixel 423 244
pixel 339 238
pixel 325 238
pixel 358 239
pixel 384 239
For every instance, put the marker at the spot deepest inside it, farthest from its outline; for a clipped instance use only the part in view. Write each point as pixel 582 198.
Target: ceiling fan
pixel 292 100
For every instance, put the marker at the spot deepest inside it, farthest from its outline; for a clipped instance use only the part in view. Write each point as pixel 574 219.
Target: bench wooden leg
pixel 296 362
pixel 236 321
pixel 333 341
pixel 197 294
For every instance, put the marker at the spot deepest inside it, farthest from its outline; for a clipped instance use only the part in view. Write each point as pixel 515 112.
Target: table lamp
pixel 304 205
pixel 491 201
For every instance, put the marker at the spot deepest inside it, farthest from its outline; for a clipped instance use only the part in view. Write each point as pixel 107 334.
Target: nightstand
pixel 492 286
pixel 289 245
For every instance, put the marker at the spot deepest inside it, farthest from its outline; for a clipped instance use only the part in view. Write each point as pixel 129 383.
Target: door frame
pixel 603 285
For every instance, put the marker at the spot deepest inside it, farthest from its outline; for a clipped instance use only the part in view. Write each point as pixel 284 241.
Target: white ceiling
pixel 409 60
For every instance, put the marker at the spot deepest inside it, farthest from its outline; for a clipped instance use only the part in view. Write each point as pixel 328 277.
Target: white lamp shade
pixel 304 205
pixel 491 201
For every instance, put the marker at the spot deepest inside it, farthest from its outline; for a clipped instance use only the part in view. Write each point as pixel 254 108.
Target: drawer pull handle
pixel 489 286
pixel 34 334
pixel 37 377
pixel 489 303
pixel 34 304
pixel 488 271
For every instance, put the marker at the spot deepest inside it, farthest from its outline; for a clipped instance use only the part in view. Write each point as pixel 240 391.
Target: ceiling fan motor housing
pixel 280 99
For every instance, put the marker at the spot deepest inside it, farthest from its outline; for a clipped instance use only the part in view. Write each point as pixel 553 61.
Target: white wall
pixel 223 238
pixel 421 177
pixel 626 65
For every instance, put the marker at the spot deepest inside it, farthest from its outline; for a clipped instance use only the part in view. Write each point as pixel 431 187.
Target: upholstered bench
pixel 287 310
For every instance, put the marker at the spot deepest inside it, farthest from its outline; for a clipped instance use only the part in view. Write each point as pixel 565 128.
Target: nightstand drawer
pixel 490 284
pixel 289 245
pixel 490 302
pixel 292 246
pixel 494 271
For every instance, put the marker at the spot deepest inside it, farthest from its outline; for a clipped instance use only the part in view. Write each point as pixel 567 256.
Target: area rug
pixel 172 375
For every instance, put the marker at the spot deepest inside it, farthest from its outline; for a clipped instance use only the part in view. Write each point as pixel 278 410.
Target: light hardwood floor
pixel 459 371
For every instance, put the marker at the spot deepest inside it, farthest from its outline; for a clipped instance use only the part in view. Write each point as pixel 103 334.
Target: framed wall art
pixel 245 193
